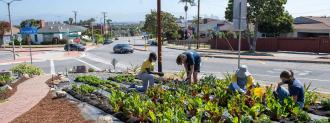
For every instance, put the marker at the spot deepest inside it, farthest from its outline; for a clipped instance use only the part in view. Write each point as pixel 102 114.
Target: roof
pixel 56 27
pixel 311 23
pixel 15 31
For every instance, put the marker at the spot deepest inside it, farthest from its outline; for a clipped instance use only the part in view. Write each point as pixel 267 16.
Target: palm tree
pixel 71 21
pixel 4 27
pixel 192 3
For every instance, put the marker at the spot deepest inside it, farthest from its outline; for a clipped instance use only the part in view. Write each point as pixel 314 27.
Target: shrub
pixel 91 70
pixel 63 41
pixel 4 79
pixel 24 68
pixel 326 104
pixel 46 43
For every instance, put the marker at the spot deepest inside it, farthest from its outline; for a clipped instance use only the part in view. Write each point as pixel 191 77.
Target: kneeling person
pixel 147 73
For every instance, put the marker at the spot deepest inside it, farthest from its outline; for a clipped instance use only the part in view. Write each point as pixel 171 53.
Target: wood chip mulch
pixel 5 95
pixel 50 110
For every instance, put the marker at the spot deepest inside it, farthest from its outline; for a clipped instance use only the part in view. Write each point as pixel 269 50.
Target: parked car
pixel 116 38
pixel 74 47
pixel 152 42
pixel 107 42
pixel 123 48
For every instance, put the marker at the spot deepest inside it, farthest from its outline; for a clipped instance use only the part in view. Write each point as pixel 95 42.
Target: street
pixel 265 72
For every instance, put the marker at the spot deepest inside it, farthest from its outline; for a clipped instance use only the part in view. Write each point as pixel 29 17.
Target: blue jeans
pixel 283 93
pixel 148 80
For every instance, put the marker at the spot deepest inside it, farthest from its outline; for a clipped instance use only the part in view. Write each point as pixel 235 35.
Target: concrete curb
pixel 265 59
pixel 31 51
pixel 140 49
pixel 262 59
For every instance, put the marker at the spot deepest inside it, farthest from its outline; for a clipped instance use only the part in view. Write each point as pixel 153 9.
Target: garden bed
pixel 206 101
pixel 6 93
pixel 50 110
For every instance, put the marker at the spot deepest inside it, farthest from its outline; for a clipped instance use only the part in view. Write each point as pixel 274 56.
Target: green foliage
pixel 26 69
pixel 310 96
pixel 303 117
pixel 169 25
pixel 326 104
pixel 124 78
pixel 322 121
pixel 83 89
pixel 4 78
pixel 91 70
pixel 91 80
pixel 33 22
pixel 269 15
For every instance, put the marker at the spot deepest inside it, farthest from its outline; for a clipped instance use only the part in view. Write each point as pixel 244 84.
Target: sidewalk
pixel 264 56
pixel 28 94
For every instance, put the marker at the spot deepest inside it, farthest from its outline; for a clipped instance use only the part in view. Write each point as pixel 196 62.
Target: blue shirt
pixel 297 89
pixel 193 58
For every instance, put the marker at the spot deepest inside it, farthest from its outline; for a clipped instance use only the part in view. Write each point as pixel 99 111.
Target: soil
pixel 5 95
pixel 50 110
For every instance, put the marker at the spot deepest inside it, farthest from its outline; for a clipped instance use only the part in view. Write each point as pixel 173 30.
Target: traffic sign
pixel 29 30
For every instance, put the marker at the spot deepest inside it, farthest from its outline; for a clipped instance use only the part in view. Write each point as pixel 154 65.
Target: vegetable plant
pixel 4 79
pixel 90 80
pixel 124 78
pixel 325 104
pixel 310 96
pixel 25 68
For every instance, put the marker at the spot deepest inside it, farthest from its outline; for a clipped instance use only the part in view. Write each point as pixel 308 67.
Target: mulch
pixel 5 95
pixel 50 110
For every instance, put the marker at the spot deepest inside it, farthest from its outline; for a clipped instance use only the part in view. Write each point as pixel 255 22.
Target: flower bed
pixel 206 101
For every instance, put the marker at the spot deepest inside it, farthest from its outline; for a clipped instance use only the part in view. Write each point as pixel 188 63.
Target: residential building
pixel 51 30
pixel 6 37
pixel 311 26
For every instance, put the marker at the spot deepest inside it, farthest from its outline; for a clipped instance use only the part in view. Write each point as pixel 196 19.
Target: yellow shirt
pixel 147 65
pixel 250 80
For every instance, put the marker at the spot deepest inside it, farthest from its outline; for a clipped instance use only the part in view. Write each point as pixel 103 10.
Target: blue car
pixel 123 48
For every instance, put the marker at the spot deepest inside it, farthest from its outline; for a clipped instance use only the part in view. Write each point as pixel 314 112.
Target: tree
pixel 268 16
pixel 169 24
pixel 4 27
pixel 33 22
pixel 191 2
pixel 70 21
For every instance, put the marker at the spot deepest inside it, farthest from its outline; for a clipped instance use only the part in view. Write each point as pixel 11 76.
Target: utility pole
pixel 75 17
pixel 198 19
pixel 11 25
pixel 159 36
pixel 104 19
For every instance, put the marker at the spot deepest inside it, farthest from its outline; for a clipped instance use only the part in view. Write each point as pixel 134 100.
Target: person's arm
pixel 192 67
pixel 235 85
pixel 153 72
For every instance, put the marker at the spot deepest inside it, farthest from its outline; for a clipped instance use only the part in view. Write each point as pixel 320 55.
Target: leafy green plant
pixel 322 121
pixel 91 80
pixel 4 79
pixel 116 99
pixel 310 96
pixel 83 89
pixel 24 68
pixel 91 70
pixel 124 78
pixel 303 116
pixel 325 104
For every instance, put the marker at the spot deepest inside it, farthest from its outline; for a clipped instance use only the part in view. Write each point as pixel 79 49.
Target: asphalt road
pixel 265 72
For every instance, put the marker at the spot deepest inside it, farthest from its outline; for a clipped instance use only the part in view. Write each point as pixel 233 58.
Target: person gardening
pixel 242 80
pixel 147 73
pixel 191 61
pixel 295 88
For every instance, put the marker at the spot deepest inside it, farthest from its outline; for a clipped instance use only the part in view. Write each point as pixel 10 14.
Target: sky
pixel 135 10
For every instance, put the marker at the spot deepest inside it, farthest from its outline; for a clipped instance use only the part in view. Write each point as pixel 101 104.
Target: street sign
pixel 29 30
pixel 239 15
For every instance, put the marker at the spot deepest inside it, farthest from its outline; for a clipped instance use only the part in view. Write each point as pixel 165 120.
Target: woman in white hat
pixel 241 80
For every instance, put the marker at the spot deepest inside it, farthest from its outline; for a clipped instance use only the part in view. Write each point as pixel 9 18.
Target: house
pixel 61 31
pixel 208 25
pixel 311 26
pixel 6 36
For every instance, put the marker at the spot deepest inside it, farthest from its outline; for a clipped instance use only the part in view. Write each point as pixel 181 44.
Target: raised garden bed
pixel 206 101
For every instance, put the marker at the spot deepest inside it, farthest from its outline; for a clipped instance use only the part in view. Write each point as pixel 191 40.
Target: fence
pixel 317 45
pixel 203 42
